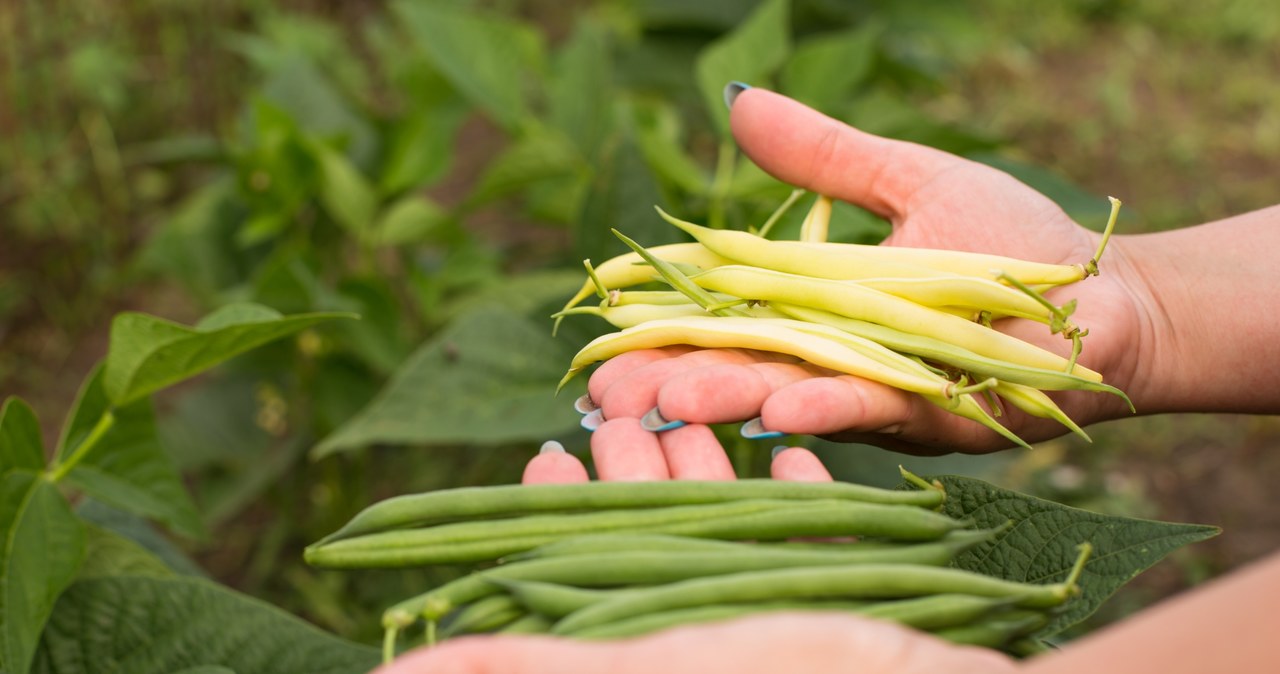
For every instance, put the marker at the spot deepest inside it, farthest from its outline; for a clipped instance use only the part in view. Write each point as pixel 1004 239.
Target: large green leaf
pixel 581 89
pixel 540 154
pixel 21 445
pixel 149 353
pixel 623 194
pixel 127 467
pixel 825 68
pixel 1041 546
pixel 752 51
pixel 489 378
pixel 41 547
pixel 152 624
pixel 347 196
pixel 488 58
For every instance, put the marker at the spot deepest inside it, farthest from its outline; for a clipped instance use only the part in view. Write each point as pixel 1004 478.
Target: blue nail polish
pixel 731 91
pixel 755 430
pixel 778 450
pixel 654 421
pixel 584 404
pixel 593 420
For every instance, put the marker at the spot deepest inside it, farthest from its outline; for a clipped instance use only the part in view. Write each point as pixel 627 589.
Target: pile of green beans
pixel 603 560
pixel 916 319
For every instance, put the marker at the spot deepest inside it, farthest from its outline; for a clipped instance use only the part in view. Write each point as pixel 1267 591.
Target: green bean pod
pixel 628 542
pixel 944 352
pixel 754 518
pixel 854 301
pixel 998 630
pixel 643 568
pixel 467 503
pixel 554 600
pixel 528 624
pixel 656 622
pixel 489 613
pixel 863 581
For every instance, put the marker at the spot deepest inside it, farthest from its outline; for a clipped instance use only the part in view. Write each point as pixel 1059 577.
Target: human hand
pixel 793 642
pixel 933 199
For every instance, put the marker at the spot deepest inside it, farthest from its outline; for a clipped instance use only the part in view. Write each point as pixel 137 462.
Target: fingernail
pixel 584 404
pixel 654 421
pixel 551 447
pixel 731 91
pixel 778 450
pixel 755 430
pixel 593 420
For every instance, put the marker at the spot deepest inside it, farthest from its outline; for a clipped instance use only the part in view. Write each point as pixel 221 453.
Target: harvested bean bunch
pixel 611 559
pixel 916 319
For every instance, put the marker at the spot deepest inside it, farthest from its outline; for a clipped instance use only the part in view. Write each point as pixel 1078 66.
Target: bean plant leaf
pixel 486 57
pixel 151 624
pixel 540 154
pixel 411 219
pixel 489 378
pixel 127 467
pixel 825 68
pixel 21 445
pixel 580 101
pixel 41 547
pixel 750 53
pixel 347 196
pixel 1041 546
pixel 149 353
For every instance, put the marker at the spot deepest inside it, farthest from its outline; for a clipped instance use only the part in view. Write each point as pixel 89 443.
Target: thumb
pixel 803 147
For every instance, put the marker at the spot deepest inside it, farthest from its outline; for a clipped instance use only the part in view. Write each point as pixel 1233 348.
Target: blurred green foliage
pixel 425 163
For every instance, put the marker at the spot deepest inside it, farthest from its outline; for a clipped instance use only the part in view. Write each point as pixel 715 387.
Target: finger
pixel 636 392
pixel 553 465
pixel 798 465
pixel 694 453
pixel 786 641
pixel 624 451
pixel 827 405
pixel 801 146
pixel 717 394
pixel 619 366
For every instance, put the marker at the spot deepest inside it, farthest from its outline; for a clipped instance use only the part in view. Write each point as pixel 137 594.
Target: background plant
pixel 441 169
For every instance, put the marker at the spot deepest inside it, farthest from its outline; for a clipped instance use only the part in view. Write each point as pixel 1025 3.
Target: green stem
pixel 720 185
pixel 782 210
pixel 60 469
pixel 601 290
pixel 1091 267
pixel 389 645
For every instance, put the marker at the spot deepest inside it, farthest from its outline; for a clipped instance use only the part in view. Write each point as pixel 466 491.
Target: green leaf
pixel 581 90
pixel 420 146
pixel 21 445
pixel 149 353
pixel 660 138
pixel 347 196
pixel 825 68
pixel 488 379
pixel 41 547
pixel 540 154
pixel 147 624
pixel 110 554
pixel 127 468
pixel 109 526
pixel 623 194
pixel 487 58
pixel 307 95
pixel 754 49
pixel 1041 546
pixel 411 219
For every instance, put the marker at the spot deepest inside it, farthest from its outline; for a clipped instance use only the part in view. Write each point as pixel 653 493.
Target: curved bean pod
pixel 623 568
pixel 464 503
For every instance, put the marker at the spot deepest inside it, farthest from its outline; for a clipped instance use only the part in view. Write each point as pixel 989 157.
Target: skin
pixel 1180 320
